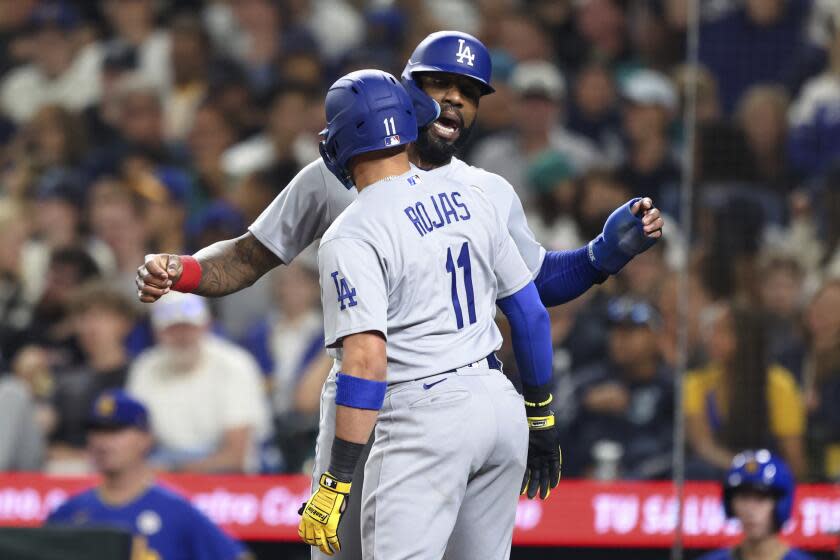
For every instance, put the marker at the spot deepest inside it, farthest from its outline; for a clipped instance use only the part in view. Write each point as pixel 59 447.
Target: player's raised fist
pixel 157 275
pixel 652 221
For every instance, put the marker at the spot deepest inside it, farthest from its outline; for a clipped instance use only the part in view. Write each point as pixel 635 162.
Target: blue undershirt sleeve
pixel 564 275
pixel 530 335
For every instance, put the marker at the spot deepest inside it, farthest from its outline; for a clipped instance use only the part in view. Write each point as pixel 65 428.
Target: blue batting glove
pixel 622 239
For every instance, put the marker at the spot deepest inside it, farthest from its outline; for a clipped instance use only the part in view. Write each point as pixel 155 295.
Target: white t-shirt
pixel 26 89
pixel 191 411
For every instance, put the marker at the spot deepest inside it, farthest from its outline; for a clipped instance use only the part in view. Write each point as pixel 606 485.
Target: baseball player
pixel 454 69
pixel 410 274
pixel 758 491
pixel 167 527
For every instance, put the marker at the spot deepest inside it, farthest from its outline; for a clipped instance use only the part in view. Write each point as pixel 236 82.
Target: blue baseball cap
pixel 627 311
pixel 115 409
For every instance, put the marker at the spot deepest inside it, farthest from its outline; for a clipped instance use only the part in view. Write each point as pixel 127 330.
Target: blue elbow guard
pixel 530 335
pixel 356 392
pixel 622 239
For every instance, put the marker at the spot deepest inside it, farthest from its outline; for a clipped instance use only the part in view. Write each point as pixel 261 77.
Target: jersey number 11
pixel 464 263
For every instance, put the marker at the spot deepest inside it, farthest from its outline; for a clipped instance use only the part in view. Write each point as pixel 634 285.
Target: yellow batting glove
pixel 322 514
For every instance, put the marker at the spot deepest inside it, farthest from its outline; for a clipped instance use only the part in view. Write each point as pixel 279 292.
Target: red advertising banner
pixel 579 513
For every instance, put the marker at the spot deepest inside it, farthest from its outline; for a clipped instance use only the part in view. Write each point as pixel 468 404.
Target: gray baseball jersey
pixel 301 214
pixel 304 210
pixel 421 260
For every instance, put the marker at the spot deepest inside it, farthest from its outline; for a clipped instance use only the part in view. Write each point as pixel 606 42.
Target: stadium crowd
pixel 130 127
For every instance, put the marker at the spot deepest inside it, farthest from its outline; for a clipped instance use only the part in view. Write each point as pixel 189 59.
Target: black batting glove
pixel 542 472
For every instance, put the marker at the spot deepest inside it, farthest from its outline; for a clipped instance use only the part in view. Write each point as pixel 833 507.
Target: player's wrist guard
pixel 537 408
pixel 343 459
pixel 190 275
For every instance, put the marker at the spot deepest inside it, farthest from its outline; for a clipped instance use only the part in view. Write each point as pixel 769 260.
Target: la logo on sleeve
pixel 344 290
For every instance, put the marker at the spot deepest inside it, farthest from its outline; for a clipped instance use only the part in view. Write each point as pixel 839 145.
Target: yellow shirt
pixel 785 408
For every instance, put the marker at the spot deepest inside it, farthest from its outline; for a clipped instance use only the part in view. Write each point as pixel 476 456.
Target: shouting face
pixel 458 99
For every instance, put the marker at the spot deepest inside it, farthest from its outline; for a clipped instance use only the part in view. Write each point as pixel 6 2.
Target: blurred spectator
pixel 102 318
pixel 541 91
pixel 16 296
pixel 59 220
pixel 657 42
pixel 552 179
pixel 285 147
pixel 815 116
pixel 602 25
pixel 336 24
pixel 119 61
pixel 138 139
pixel 133 25
pixel 599 194
pixel 667 302
pixel 593 113
pixel 32 366
pixel 258 34
pixel 731 228
pixel 782 297
pixel 626 399
pixel 116 218
pixel 165 524
pixel 164 192
pixel 58 138
pixel 523 38
pixel 255 192
pixel 738 400
pixel 821 375
pixel 51 326
pixel 767 36
pixel 700 79
pixel 13 18
pixel 650 169
pixel 209 411
pixel 189 60
pixel 211 134
pixel 21 438
pixel 761 114
pixel 643 277
pixel 289 345
pixel 62 71
pixel 228 90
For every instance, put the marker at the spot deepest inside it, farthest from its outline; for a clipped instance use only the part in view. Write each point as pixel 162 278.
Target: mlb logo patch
pixel 413 180
pixel 392 140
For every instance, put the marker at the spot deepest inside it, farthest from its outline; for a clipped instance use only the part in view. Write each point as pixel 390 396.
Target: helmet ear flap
pixel 426 109
pixel 342 173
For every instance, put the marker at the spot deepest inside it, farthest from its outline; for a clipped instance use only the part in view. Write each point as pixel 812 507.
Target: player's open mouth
pixel 448 126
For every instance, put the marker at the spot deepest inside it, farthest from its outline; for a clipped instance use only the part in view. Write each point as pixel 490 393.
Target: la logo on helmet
pixel 464 53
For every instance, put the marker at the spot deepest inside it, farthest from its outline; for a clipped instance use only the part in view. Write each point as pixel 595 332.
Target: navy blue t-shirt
pixel 726 554
pixel 172 527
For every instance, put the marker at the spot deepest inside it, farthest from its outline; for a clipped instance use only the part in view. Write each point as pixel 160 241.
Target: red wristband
pixel 190 275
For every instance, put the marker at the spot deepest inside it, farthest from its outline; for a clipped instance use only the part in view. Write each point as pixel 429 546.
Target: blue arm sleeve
pixel 564 275
pixel 530 334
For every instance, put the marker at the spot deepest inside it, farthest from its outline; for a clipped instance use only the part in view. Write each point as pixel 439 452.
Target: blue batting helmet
pixel 760 470
pixel 367 110
pixel 453 52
